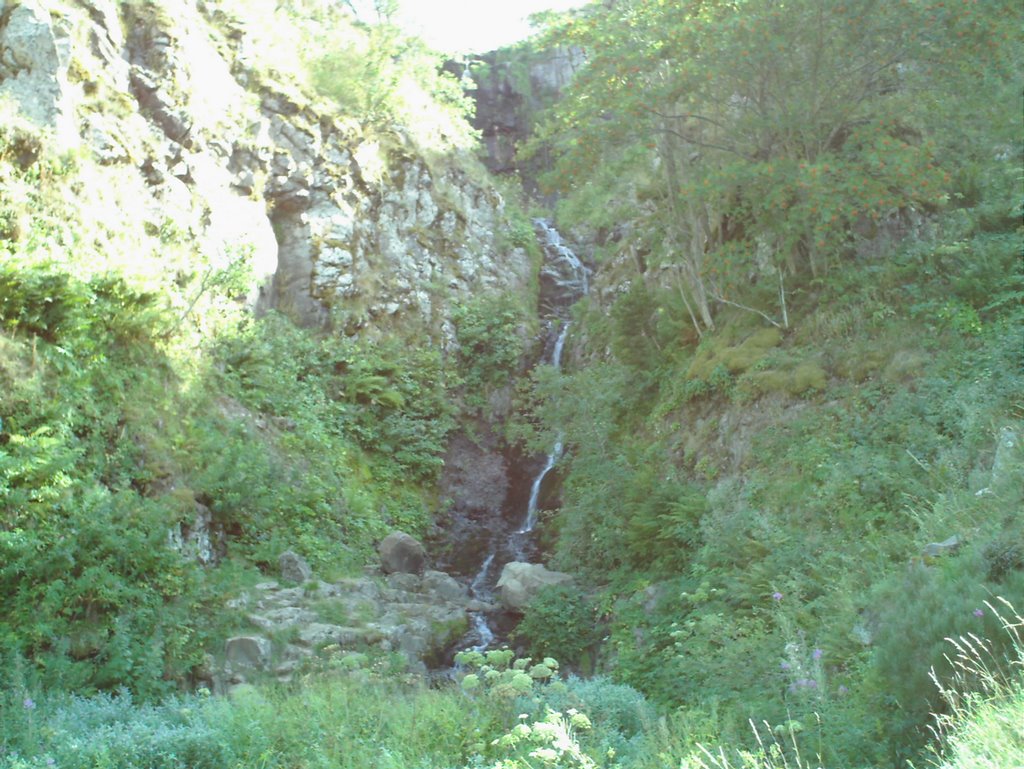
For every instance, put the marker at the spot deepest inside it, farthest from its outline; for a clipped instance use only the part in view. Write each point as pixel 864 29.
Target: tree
pixel 764 130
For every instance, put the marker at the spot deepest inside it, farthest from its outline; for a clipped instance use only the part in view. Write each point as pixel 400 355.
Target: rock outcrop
pixel 511 88
pixel 520 582
pixel 401 554
pixel 199 539
pixel 34 58
pixel 338 225
pixel 294 567
pixel 475 475
pixel 420 616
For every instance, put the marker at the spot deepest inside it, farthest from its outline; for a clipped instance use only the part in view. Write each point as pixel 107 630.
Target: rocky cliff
pixel 512 86
pixel 341 225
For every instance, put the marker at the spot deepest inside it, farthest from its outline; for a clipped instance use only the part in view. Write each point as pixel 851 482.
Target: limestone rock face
pixel 338 226
pixel 294 567
pixel 520 582
pixel 34 57
pixel 401 553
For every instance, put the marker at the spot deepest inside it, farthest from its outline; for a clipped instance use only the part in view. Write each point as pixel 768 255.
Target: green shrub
pixel 916 612
pixel 489 331
pixel 559 622
pixel 97 598
pixel 611 706
pixel 662 521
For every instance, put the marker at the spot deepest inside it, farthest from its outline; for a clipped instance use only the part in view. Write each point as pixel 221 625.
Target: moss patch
pixel 804 377
pixel 737 358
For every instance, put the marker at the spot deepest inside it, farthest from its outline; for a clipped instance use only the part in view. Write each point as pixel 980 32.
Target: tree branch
pixel 719 298
pixel 709 145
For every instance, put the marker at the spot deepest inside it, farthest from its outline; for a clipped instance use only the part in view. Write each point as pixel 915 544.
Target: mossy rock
pixel 736 358
pixel 905 365
pixel 450 628
pixel 806 376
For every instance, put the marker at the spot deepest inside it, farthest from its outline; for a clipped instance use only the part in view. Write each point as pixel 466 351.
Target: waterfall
pixel 555 453
pixel 564 280
pixel 563 277
pixel 479 590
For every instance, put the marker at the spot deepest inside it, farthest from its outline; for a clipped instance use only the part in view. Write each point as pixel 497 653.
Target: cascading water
pixel 556 452
pixel 563 282
pixel 480 591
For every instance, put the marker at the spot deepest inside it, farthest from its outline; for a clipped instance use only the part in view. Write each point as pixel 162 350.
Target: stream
pixel 564 280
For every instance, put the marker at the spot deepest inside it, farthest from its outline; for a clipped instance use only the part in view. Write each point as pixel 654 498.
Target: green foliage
pixel 489 331
pixel 561 622
pixel 886 404
pixel 948 601
pixel 369 70
pixel 984 725
pixel 44 300
pixel 367 715
pixel 744 142
pixel 107 619
pixel 662 521
pixel 389 397
pixel 95 596
pixel 634 333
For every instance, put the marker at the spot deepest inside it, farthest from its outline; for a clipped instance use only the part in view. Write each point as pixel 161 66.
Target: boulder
pixel 445 587
pixel 401 553
pixel 946 547
pixel 247 652
pixel 520 582
pixel 319 634
pixel 294 567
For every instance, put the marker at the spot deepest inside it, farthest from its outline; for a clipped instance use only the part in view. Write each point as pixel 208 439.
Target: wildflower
pixel 784 665
pixel 817 654
pixel 979 613
pixel 29 704
pixel 776 596
pixel 843 689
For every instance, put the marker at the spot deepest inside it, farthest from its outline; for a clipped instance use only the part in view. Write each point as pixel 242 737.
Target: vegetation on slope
pixel 792 381
pixel 509 714
pixel 801 353
pixel 140 400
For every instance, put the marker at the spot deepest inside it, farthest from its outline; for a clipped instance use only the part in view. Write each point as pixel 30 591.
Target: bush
pixel 916 613
pixel 559 622
pixel 97 598
pixel 489 332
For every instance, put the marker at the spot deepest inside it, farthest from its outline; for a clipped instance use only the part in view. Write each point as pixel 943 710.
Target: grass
pixel 358 717
pixel 984 727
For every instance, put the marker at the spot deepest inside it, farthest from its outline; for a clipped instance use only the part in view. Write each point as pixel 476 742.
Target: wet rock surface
pixel 422 616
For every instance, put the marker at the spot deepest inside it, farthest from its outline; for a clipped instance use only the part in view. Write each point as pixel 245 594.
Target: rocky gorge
pixel 324 359
pixel 341 230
